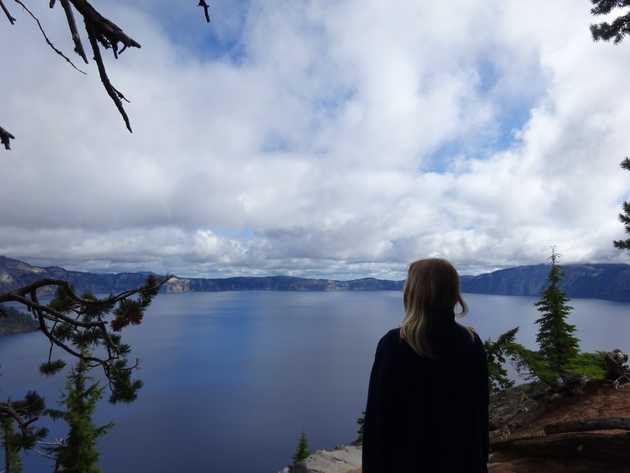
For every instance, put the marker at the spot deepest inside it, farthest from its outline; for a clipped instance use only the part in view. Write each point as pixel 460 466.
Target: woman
pixel 427 407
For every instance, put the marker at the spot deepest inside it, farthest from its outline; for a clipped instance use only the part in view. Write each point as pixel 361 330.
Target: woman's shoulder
pixel 390 339
pixel 392 335
pixel 476 343
pixel 470 332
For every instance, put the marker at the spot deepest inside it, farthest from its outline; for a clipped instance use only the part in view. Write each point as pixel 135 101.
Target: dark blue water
pixel 232 378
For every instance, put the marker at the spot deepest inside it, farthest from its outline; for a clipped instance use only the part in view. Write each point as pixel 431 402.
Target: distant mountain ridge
pixel 15 273
pixel 597 281
pixel 593 281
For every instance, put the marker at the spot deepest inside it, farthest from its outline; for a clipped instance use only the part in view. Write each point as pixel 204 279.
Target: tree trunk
pixel 603 447
pixel 585 425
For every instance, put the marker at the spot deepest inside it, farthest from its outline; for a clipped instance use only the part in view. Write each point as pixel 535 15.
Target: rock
pixel 571 384
pixel 616 369
pixel 299 468
pixel 341 460
pixel 515 407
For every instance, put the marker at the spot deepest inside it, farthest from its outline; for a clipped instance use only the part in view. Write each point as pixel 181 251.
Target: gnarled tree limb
pixel 101 32
pixel 105 31
pixel 114 93
pixel 79 306
pixel 41 28
pixel 72 25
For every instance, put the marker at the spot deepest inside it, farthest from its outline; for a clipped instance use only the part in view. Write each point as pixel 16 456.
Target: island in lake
pixel 13 321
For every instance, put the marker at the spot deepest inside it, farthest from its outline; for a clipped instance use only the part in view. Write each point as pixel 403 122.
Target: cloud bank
pixel 336 138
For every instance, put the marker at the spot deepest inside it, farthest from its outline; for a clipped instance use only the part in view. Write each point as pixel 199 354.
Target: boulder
pixel 342 460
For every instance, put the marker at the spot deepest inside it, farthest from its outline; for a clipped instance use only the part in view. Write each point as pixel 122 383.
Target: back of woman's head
pixel 431 291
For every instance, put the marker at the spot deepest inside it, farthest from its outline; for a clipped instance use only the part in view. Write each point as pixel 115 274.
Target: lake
pixel 232 378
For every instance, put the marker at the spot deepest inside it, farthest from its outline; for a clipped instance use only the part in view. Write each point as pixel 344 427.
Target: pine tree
pixel 87 329
pixel 16 431
pixel 625 216
pixel 620 26
pixel 558 345
pixel 497 352
pixel 361 429
pixel 302 452
pixel 78 452
pixel 12 460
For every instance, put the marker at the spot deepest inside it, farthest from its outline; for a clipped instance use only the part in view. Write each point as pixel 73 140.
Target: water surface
pixel 232 378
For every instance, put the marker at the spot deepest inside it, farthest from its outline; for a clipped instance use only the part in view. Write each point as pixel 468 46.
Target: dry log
pixel 603 447
pixel 585 425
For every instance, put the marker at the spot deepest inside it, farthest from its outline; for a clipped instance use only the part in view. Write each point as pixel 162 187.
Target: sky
pixel 329 138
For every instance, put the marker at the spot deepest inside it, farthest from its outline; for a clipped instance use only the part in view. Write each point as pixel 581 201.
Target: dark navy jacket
pixel 428 414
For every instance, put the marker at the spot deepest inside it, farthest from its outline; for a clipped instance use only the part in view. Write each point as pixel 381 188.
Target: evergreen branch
pixel 603 7
pixel 46 311
pixel 7 410
pixel 87 331
pixel 616 30
pixel 70 292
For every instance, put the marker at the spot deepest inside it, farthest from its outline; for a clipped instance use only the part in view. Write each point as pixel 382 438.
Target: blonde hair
pixel 431 283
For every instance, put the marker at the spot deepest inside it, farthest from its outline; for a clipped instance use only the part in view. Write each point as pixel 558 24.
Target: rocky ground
pixel 341 460
pixel 529 449
pixel 519 443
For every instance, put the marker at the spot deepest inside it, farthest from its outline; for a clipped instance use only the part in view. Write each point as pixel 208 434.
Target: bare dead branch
pixel 206 9
pixel 101 32
pixel 5 136
pixel 41 28
pixel 111 90
pixel 7 13
pixel 106 32
pixel 72 25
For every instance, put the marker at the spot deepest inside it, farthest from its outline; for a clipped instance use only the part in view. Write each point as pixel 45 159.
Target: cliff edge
pixel 531 432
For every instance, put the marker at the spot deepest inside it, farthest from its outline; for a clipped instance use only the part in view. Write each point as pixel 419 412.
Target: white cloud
pixel 339 138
